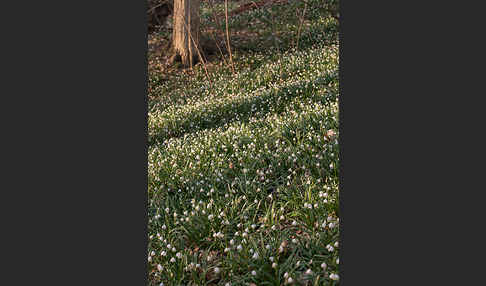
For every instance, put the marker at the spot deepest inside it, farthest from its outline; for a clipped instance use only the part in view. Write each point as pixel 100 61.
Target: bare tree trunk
pixel 186 31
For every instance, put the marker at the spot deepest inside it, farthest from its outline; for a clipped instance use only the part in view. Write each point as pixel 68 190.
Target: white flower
pixel 179 255
pixel 210 217
pixel 274 265
pixel 152 253
pixel 150 259
pixel 294 240
pixel 239 247
pixel 253 273
pixel 308 272
pixel 290 280
pixel 163 253
pixel 255 256
pixel 172 260
pixel 286 275
pixel 267 246
pixel 271 258
pixel 334 276
pixel 226 249
pixel 159 267
pixel 232 242
pixel 216 270
pixel 227 284
pixel 337 260
pixel 294 223
pixel 323 265
pixel 336 244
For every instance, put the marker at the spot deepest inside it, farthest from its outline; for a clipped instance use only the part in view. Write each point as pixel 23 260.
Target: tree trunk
pixel 186 31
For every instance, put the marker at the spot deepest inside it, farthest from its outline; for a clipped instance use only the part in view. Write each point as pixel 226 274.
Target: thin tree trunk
pixel 186 30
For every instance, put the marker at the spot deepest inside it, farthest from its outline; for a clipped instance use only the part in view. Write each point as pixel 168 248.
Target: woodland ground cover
pixel 243 171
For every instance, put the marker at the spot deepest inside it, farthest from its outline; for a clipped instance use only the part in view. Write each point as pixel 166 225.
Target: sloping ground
pixel 243 173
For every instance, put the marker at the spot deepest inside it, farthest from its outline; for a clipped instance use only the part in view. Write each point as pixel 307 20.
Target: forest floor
pixel 243 167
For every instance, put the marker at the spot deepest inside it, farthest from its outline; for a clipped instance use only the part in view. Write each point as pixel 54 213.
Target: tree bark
pixel 186 31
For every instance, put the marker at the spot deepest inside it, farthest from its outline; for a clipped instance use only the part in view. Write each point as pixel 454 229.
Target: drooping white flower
pixel 334 276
